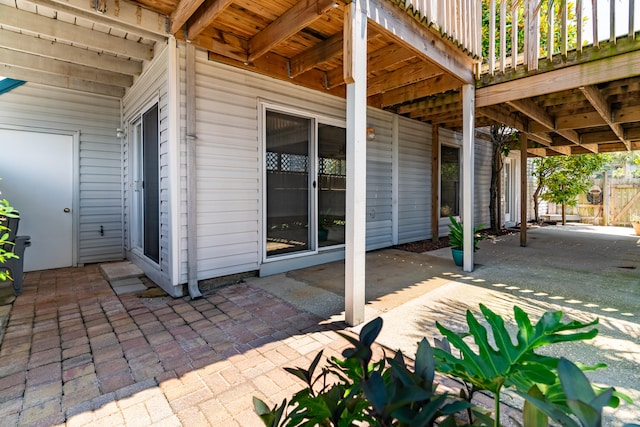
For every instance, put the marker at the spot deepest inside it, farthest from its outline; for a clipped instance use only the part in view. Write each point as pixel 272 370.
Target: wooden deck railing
pixel 458 20
pixel 545 28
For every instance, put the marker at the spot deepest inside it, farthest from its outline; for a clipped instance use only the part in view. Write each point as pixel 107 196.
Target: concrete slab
pixel 128 286
pixel 585 271
pixel 120 270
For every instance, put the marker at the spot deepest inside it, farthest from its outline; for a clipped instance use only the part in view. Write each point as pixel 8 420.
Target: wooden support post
pixel 523 189
pixel 606 198
pixel 355 52
pixel 579 25
pixel 468 161
pixel 435 182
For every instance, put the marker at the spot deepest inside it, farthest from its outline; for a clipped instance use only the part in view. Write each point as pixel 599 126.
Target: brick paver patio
pixel 74 353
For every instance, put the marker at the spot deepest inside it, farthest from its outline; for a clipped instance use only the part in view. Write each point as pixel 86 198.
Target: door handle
pixel 67 210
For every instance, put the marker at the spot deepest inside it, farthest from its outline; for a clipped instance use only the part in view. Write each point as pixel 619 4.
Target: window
pixel 449 181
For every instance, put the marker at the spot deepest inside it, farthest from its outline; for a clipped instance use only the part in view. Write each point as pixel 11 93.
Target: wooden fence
pixel 619 200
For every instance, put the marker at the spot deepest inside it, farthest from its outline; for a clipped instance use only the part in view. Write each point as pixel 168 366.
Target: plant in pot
pixel 456 239
pixel 325 220
pixel 635 222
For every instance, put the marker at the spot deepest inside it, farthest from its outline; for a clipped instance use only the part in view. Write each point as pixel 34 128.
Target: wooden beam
pixel 512 120
pixel 573 77
pixel 389 56
pixel 221 43
pixel 67 69
pixel 540 152
pixel 318 54
pixel 415 36
pixel 404 76
pixel 534 112
pixel 421 89
pixel 600 104
pixel 301 15
pixel 562 149
pixel 68 53
pixel 204 16
pixel 122 15
pixel 523 189
pixel 55 80
pixel 71 33
pixel 181 13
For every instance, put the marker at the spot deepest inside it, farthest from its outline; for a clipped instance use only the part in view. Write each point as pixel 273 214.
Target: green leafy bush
pixel 6 211
pixel 456 234
pixel 391 392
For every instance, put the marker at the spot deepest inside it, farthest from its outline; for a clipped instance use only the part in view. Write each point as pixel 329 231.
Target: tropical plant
pixel 498 363
pixel 456 234
pixel 390 392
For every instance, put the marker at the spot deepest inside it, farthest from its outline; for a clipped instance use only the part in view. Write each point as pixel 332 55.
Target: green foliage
pixel 383 393
pixel 391 393
pixel 6 211
pixel 456 234
pixel 569 176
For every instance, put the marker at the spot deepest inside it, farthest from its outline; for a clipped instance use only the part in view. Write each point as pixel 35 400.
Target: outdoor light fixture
pixel 371 134
pixel 119 133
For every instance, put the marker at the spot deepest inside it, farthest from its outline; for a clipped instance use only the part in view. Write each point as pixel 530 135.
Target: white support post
pixel 355 60
pixel 468 160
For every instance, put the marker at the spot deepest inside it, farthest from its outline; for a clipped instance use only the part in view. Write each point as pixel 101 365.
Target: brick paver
pixel 76 354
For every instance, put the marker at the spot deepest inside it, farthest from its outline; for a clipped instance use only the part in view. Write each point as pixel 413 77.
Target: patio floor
pixel 74 352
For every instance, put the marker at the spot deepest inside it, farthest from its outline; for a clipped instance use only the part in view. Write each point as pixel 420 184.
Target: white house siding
pixel 482 182
pixel 229 160
pixel 414 198
pixel 379 180
pixel 96 118
pixel 150 87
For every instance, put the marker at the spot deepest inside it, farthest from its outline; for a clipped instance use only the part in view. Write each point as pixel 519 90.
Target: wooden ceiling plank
pixel 389 56
pixel 64 52
pixel 301 15
pixel 182 13
pixel 122 15
pixel 53 66
pixel 322 52
pixel 410 33
pixel 595 97
pixel 204 16
pixel 599 137
pixel 222 44
pixel 590 73
pixel 627 114
pixel 32 22
pixel 412 73
pixel 66 82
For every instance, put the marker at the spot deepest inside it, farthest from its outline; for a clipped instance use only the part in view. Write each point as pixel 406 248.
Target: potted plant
pixel 325 220
pixel 635 222
pixel 456 239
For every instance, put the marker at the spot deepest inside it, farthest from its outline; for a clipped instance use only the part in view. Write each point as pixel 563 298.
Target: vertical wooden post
pixel 632 11
pixel 565 28
pixel 606 199
pixel 468 162
pixel 550 32
pixel 594 21
pixel 435 182
pixel 612 22
pixel 492 36
pixel 523 189
pixel 514 37
pixel 579 25
pixel 532 33
pixel 503 34
pixel 395 178
pixel 355 59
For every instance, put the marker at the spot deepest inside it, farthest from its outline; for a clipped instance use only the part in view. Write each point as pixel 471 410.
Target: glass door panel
pixel 332 185
pixel 288 142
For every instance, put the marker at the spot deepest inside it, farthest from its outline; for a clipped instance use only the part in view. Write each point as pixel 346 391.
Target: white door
pixel 37 179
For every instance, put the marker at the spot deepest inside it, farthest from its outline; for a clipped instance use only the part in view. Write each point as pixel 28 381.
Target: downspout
pixel 192 230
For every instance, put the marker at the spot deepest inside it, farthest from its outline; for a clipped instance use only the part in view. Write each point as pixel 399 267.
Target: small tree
pixel 501 138
pixel 561 179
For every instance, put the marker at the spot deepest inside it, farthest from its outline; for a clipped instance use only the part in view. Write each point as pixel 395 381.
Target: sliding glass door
pixel 305 184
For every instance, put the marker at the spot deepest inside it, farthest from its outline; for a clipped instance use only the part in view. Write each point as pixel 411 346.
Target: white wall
pixel 96 118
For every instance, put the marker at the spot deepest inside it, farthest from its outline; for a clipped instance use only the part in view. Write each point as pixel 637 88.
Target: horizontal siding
pixel 99 158
pixel 379 180
pixel 229 161
pixel 482 182
pixel 414 174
